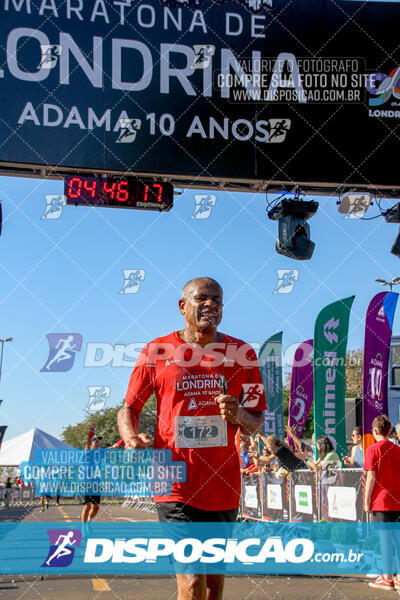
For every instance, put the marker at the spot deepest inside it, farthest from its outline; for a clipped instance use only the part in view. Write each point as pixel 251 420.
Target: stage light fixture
pixel 293 231
pixel 392 215
pixel 396 246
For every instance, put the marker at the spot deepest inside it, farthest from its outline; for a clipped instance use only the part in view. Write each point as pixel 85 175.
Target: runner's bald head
pixel 190 285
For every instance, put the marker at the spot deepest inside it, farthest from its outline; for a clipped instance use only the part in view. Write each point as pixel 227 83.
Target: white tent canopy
pixel 22 447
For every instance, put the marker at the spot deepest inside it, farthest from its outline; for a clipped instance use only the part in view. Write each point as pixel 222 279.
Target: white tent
pixel 22 447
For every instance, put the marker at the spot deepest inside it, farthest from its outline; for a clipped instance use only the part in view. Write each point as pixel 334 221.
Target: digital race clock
pixel 119 192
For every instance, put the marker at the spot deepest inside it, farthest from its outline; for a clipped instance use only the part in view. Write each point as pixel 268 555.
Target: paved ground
pixel 163 587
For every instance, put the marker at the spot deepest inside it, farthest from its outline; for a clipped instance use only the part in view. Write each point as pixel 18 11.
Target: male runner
pixel 194 419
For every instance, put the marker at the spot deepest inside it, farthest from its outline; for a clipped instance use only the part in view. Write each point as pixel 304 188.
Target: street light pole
pixel 395 281
pixel 2 351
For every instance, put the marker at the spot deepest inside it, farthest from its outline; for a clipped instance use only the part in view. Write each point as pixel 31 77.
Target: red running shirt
pixel 186 380
pixel 384 458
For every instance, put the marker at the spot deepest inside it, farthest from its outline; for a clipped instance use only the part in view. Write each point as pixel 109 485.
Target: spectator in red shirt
pixel 382 496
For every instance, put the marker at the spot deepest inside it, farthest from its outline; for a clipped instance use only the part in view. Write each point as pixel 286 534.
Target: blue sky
pixel 65 275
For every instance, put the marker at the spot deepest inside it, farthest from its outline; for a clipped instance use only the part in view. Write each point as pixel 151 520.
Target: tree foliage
pixel 106 420
pixel 354 373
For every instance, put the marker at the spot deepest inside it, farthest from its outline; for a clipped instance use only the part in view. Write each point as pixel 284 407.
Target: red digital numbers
pixel 109 189
pixel 117 191
pixel 90 185
pixel 159 195
pixel 123 191
pixel 74 187
pixel 153 193
pixel 130 192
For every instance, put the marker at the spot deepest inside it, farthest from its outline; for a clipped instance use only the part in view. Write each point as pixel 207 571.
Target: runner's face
pixel 203 306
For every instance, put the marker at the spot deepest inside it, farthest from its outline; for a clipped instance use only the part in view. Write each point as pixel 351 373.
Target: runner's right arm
pixel 139 391
pixel 128 426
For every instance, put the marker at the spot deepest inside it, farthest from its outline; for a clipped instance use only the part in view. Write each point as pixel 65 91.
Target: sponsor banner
pixel 378 331
pixel 304 502
pixel 161 548
pixel 2 433
pixel 342 503
pixel 301 387
pixel 341 506
pixel 106 472
pixel 330 342
pixel 250 496
pixel 275 497
pixel 303 499
pixel 270 361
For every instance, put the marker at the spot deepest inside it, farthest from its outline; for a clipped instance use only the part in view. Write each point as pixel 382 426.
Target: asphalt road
pixel 163 587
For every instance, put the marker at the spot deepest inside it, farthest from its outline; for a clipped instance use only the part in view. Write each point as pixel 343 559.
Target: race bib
pixel 200 432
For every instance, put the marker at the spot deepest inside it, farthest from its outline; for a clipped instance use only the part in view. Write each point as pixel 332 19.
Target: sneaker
pixel 42 509
pixel 396 582
pixel 382 584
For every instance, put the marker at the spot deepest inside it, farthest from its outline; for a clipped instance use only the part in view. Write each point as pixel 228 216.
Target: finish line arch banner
pixel 243 91
pixel 330 342
pixel 378 331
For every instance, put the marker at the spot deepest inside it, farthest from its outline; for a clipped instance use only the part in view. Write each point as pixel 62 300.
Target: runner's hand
pixel 228 407
pixel 141 440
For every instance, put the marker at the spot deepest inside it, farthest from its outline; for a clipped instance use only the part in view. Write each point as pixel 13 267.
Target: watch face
pixel 119 192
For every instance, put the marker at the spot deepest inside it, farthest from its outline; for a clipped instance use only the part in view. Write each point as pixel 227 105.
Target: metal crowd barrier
pixel 304 495
pixel 144 503
pixel 20 495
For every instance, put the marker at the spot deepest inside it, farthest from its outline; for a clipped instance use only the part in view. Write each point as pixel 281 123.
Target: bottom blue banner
pixel 231 548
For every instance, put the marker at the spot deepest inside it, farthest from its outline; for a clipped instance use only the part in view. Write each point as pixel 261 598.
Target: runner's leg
pixel 191 587
pixel 85 511
pixel 215 587
pixel 94 509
